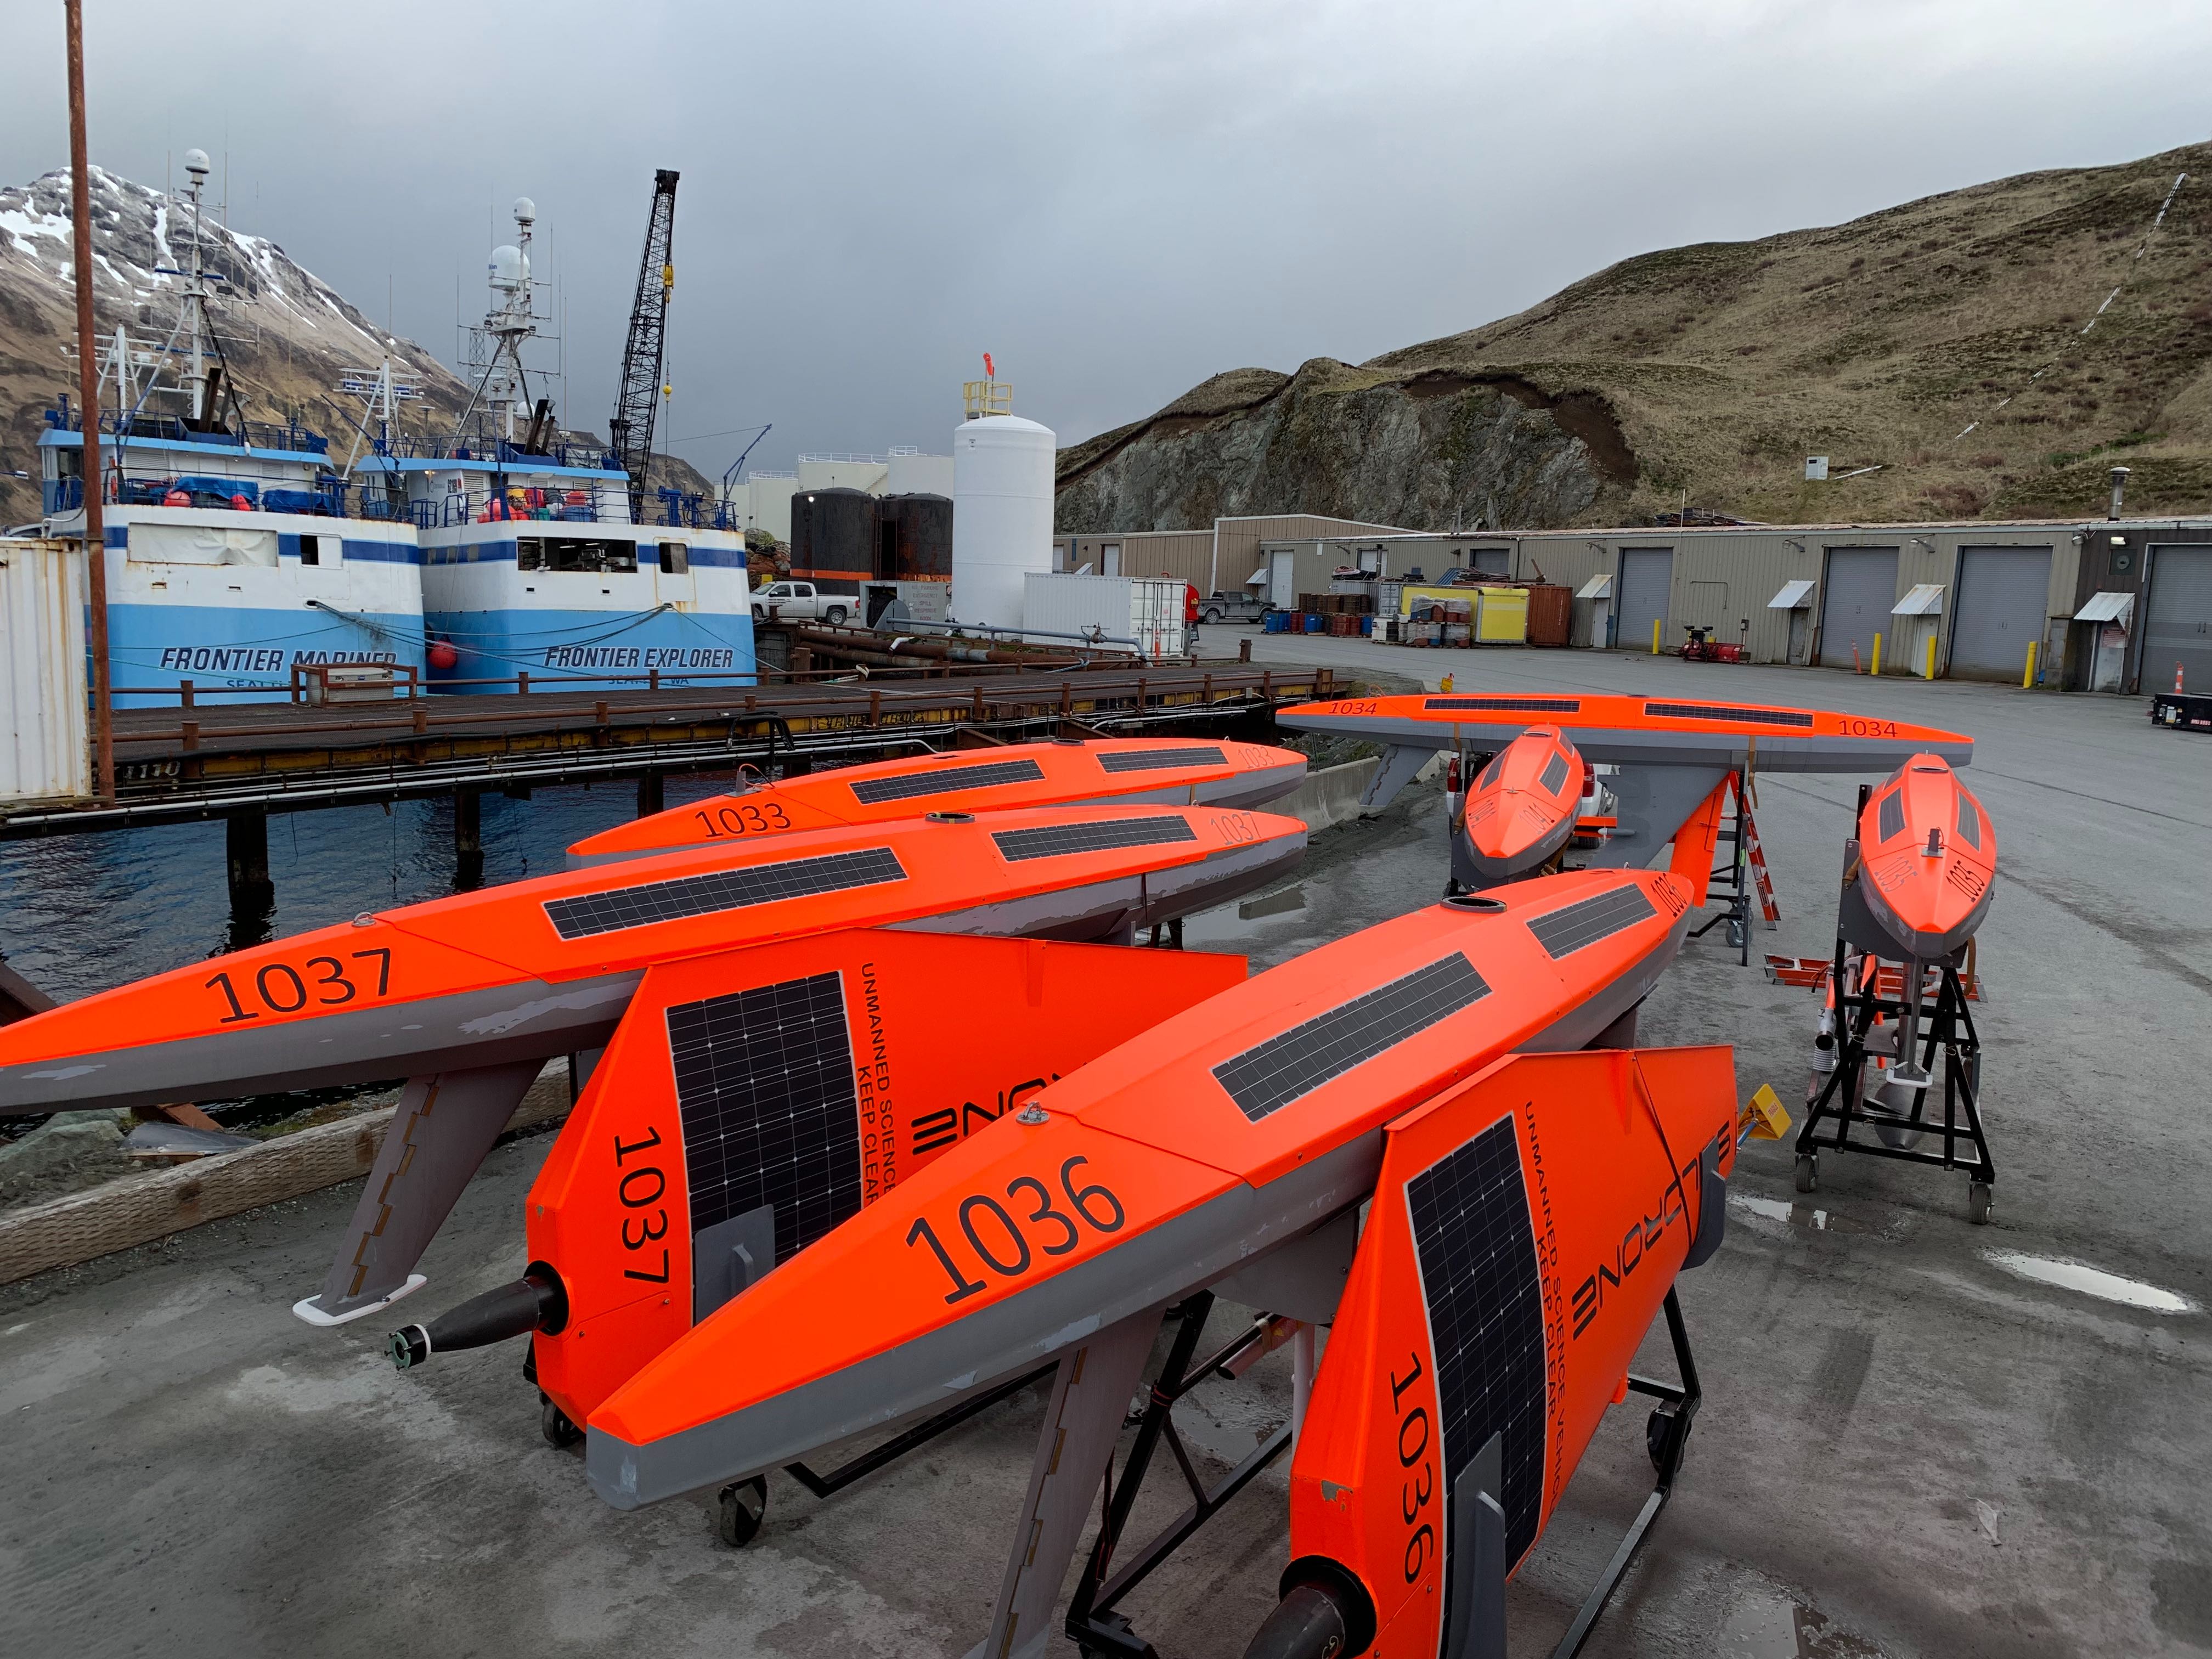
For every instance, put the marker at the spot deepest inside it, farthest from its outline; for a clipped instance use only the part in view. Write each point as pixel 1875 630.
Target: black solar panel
pixel 1725 713
pixel 724 890
pixel 1480 705
pixel 1555 774
pixel 943 780
pixel 1154 760
pixel 1563 932
pixel 1892 819
pixel 1053 840
pixel 764 1089
pixel 1470 1213
pixel 1270 1077
pixel 1969 823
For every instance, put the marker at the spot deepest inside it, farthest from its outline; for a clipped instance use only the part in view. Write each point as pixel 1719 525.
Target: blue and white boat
pixel 536 572
pixel 236 551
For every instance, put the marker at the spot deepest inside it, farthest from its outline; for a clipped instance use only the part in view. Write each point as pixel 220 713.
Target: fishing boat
pixel 238 554
pixel 542 560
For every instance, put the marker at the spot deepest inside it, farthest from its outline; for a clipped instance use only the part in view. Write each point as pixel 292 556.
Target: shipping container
pixel 44 744
pixel 1504 619
pixel 1123 613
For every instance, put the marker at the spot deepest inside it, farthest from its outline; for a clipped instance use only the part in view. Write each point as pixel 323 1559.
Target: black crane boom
pixel 638 398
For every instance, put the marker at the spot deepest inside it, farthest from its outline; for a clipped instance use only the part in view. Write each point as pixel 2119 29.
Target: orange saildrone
pixel 468 996
pixel 1125 770
pixel 1918 877
pixel 1426 1064
pixel 1520 813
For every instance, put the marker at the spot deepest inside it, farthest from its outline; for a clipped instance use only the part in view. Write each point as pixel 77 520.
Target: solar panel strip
pixel 1470 1213
pixel 1268 1077
pixel 1563 932
pixel 1723 712
pixel 1891 821
pixel 1154 760
pixel 1555 774
pixel 1057 839
pixel 1969 824
pixel 765 1093
pixel 610 911
pixel 874 792
pixel 1480 705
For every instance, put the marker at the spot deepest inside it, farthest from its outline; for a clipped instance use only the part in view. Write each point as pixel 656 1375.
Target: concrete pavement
pixel 1907 1449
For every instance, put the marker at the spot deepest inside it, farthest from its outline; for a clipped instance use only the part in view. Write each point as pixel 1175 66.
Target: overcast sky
pixel 1116 200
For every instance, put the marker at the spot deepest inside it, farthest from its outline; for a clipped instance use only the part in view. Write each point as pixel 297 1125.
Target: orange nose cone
pixel 1929 855
pixel 1520 809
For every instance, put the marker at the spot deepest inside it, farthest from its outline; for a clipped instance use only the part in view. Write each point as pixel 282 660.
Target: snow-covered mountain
pixel 289 334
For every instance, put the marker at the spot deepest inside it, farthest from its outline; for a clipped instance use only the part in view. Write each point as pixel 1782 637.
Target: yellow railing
pixel 987 397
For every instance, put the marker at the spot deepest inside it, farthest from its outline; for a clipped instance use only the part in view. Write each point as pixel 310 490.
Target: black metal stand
pixel 822 1485
pixel 1735 876
pixel 1947 1032
pixel 1665 1435
pixel 1097 1631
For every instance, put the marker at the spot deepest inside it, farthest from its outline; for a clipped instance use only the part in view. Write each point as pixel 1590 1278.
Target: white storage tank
pixel 44 743
pixel 1142 614
pixel 1002 469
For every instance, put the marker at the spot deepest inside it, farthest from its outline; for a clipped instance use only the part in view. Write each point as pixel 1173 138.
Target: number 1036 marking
pixel 1004 1245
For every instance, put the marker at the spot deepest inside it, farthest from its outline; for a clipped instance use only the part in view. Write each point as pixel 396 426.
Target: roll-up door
pixel 2178 622
pixel 1860 587
pixel 1647 580
pixel 2004 593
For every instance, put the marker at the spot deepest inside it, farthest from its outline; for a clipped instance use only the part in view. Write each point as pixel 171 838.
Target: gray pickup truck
pixel 1233 608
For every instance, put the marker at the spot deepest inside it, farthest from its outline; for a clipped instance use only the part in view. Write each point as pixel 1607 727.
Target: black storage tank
pixel 914 537
pixel 833 539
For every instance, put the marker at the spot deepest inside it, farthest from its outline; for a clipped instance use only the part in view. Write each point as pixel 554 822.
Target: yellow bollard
pixel 2027 678
pixel 1655 636
pixel 1928 672
pixel 1877 670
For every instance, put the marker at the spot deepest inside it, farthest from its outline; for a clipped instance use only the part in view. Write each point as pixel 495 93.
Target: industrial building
pixel 1214 560
pixel 2110 605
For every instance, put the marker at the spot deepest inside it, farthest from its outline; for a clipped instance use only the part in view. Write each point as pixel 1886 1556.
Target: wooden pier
pixel 243 761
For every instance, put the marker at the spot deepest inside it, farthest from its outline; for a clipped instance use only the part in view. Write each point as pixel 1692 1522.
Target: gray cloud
pixel 1117 201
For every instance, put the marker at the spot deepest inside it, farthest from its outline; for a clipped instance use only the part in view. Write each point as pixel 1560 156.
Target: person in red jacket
pixel 1189 616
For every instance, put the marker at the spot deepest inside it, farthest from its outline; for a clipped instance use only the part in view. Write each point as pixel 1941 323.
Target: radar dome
pixel 525 210
pixel 196 163
pixel 507 265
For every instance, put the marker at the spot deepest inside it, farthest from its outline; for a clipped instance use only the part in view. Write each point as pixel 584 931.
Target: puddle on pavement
pixel 2091 1281
pixel 1771 1623
pixel 1274 904
pixel 1809 1217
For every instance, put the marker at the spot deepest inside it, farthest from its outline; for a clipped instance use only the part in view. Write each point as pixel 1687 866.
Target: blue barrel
pixel 1367 624
pixel 1314 622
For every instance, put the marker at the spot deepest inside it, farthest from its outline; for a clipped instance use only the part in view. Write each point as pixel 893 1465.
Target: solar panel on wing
pixel 618 908
pixel 1563 932
pixel 1267 1078
pixel 764 1088
pixel 1054 840
pixel 1154 760
pixel 1724 712
pixel 1469 1214
pixel 1481 705
pixel 944 779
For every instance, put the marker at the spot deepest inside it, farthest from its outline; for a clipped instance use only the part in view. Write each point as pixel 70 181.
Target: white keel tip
pixel 305 1310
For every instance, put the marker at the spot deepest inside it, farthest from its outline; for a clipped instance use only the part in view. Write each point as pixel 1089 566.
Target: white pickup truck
pixel 798 602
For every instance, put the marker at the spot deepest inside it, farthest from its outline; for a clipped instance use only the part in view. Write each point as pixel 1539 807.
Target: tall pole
pixel 87 384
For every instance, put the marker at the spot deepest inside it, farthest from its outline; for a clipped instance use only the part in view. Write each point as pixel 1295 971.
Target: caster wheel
pixel 1980 1202
pixel 739 1510
pixel 1735 936
pixel 553 1423
pixel 1808 1172
pixel 1663 1435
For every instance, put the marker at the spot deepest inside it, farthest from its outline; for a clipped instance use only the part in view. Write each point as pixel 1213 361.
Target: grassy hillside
pixel 1956 343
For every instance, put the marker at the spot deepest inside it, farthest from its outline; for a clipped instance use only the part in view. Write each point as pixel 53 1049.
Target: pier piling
pixel 649 794
pixel 468 839
pixel 246 844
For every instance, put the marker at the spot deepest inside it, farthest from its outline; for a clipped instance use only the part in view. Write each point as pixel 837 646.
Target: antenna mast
pixel 638 398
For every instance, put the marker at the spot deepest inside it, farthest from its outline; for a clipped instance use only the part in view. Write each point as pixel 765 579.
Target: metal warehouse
pixel 2117 605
